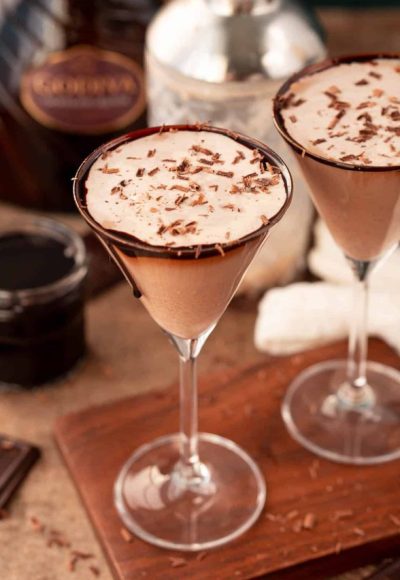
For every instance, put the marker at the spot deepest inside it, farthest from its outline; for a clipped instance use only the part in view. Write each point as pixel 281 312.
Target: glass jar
pixel 43 271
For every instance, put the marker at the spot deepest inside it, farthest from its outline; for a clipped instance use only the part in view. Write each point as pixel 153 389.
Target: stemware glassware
pixel 191 490
pixel 349 411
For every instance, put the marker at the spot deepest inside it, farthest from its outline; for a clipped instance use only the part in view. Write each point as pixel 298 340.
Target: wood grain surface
pixel 356 509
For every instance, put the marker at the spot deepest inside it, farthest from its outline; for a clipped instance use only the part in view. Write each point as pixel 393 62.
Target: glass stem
pixel 190 473
pixel 356 392
pixel 358 341
pixel 189 412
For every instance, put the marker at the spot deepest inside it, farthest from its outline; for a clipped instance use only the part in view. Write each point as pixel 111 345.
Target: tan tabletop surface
pixel 128 354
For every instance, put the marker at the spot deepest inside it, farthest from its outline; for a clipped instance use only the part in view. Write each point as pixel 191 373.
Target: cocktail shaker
pixel 221 61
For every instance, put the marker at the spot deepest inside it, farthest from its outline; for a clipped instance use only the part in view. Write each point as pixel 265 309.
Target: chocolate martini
pixel 183 211
pixel 194 196
pixel 342 118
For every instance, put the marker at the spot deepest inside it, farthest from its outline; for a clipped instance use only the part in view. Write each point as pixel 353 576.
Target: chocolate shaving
pixel 225 173
pixel 365 117
pixel 72 563
pixel 206 161
pixel 287 101
pixel 395 130
pixel 154 171
pixel 331 95
pixel 200 200
pixel 82 555
pixel 318 141
pixel 109 170
pixel 180 188
pixel 366 105
pixel 203 150
pixel 140 172
pixel 336 119
pixel 362 83
pixel 180 199
pixel 349 158
pixel 183 166
pixel 151 152
pixel 238 158
pixel 293 118
pixel 375 75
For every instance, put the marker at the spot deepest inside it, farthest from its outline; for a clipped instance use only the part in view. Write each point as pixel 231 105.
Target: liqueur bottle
pixel 71 77
pixel 222 61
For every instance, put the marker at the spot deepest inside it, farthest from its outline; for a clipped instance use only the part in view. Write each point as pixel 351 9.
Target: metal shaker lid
pixel 234 40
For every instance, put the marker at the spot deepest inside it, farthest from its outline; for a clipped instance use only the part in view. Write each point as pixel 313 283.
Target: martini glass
pixel 186 491
pixel 349 410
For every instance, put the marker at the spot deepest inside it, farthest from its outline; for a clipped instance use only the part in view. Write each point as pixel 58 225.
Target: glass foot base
pixel 156 504
pixel 318 419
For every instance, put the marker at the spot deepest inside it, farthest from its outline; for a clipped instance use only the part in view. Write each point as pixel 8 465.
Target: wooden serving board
pixel 356 509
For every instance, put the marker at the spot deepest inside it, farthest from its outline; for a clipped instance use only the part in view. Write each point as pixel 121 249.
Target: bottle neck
pixel 82 18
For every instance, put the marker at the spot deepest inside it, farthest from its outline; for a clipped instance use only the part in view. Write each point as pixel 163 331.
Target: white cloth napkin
pixel 305 315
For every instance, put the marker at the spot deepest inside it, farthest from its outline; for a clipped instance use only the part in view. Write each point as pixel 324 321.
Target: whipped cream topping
pixel 184 188
pixel 349 112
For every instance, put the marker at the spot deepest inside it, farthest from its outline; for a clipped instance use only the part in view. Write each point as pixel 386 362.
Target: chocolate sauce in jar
pixel 42 274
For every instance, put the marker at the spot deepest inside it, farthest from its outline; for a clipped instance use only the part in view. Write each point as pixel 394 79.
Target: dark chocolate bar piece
pixel 16 459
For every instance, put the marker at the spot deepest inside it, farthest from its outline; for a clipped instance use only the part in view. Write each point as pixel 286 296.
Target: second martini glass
pixel 348 411
pixel 187 491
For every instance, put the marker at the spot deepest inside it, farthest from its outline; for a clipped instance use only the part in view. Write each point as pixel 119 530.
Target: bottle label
pixel 84 90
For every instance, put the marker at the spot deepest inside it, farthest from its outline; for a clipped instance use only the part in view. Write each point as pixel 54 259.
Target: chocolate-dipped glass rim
pixel 309 71
pixel 131 243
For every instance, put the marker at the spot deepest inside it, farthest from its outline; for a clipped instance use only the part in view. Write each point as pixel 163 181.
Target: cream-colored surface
pixel 366 96
pixel 213 196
